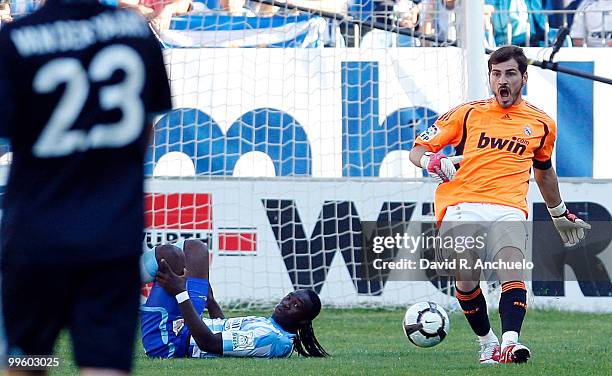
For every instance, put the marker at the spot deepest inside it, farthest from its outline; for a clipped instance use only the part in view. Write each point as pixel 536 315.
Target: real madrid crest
pixel 527 130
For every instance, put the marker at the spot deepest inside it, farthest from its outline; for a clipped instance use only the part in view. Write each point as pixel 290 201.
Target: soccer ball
pixel 426 324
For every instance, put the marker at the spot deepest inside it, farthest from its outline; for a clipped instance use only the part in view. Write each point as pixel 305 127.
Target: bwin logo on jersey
pixel 516 145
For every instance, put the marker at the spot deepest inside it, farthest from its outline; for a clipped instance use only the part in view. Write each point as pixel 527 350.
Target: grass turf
pixel 371 342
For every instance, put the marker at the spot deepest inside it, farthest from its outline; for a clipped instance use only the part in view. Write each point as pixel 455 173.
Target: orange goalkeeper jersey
pixel 499 147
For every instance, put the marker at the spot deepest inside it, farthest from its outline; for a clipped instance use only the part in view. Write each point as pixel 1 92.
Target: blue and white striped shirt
pixel 248 336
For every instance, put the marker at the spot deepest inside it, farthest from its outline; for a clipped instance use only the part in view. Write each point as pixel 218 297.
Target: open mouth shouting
pixel 505 95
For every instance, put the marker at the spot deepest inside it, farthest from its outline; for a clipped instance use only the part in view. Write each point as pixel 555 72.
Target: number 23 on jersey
pixel 57 139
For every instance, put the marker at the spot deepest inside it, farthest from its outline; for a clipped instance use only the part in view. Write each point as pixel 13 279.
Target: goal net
pixel 276 156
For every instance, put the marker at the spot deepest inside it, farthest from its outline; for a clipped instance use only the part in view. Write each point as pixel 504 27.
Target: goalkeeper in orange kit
pixel 497 142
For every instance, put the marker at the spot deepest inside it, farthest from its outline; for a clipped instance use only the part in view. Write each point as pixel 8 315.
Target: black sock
pixel 474 307
pixel 512 306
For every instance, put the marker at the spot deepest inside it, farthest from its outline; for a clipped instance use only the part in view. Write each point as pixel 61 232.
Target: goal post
pixel 276 156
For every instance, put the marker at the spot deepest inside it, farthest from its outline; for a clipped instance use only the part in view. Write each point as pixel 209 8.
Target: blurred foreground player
pixel 172 327
pixel 500 140
pixel 79 85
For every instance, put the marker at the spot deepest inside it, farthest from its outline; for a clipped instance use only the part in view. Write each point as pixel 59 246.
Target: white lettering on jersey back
pixel 63 36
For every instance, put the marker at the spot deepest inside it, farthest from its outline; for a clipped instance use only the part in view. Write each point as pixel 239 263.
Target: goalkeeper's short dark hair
pixel 506 53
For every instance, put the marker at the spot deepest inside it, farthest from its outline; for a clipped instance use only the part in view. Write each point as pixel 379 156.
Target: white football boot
pixel 489 353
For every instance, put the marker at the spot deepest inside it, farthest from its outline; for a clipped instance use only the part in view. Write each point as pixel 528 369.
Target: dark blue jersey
pixel 79 85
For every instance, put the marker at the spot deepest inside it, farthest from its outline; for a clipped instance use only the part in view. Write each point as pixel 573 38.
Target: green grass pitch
pixel 371 342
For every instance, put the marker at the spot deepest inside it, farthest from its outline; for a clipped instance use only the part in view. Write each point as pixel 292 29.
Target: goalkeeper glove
pixel 439 166
pixel 570 227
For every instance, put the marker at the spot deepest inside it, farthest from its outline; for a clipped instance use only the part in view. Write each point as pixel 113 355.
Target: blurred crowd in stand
pixel 402 23
pixel 519 22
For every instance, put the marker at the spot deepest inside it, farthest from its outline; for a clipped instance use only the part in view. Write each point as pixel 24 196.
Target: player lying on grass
pixel 172 326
